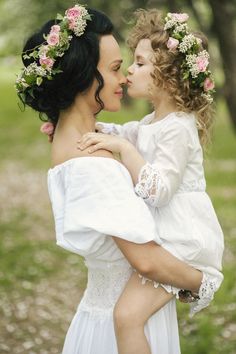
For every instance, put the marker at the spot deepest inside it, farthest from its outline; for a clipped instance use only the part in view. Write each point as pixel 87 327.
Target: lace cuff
pixel 209 286
pixel 148 184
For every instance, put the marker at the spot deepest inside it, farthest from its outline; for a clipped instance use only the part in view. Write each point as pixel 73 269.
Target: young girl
pixel 164 156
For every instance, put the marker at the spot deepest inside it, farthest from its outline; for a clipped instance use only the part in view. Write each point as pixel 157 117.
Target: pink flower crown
pixel 195 64
pixel 55 45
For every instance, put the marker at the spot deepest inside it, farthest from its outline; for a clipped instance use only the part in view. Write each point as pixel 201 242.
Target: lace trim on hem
pixel 170 289
pixel 209 285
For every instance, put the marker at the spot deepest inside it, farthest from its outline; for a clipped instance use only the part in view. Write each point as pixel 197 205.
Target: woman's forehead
pixel 109 49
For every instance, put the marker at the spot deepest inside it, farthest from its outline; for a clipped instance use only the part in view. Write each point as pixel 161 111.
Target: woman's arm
pixel 154 262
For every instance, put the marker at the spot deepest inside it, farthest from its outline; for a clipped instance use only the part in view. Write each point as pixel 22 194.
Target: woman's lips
pixel 119 93
pixel 129 82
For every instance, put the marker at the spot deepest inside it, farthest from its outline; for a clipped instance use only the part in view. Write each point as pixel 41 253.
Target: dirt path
pixel 34 314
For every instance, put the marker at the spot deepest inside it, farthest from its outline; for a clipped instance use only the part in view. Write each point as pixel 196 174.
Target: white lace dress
pixel 172 183
pixel 93 198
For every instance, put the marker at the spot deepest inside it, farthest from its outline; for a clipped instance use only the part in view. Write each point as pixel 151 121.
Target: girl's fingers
pixel 90 141
pixel 95 148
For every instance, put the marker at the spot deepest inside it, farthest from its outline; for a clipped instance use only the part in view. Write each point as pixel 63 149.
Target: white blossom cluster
pixel 34 69
pixel 207 96
pixel 188 41
pixel 181 28
pixel 81 22
pixel 169 24
pixel 191 60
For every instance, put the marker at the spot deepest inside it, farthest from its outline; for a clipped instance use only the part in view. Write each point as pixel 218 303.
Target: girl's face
pixel 139 78
pixel 110 68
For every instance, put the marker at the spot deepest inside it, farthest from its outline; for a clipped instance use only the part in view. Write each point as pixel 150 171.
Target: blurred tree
pixel 224 26
pixel 216 18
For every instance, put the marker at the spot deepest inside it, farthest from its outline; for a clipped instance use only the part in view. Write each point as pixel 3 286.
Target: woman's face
pixel 139 78
pixel 110 68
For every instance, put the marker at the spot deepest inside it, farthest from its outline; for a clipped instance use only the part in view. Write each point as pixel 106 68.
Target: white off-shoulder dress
pixel 93 199
pixel 172 183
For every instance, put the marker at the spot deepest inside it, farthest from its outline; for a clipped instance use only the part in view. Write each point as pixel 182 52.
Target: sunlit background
pixel 40 284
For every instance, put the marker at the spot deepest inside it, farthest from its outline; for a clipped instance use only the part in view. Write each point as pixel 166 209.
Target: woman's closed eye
pixel 139 64
pixel 117 68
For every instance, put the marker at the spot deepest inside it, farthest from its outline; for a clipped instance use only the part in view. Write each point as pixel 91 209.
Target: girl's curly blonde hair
pixel 168 73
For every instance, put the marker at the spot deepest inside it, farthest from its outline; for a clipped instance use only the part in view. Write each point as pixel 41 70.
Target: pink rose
pixel 55 29
pixel 73 12
pixel 181 17
pixel 72 23
pixel 208 84
pixel 53 38
pixel 47 62
pixel 202 63
pixel 47 128
pixel 172 43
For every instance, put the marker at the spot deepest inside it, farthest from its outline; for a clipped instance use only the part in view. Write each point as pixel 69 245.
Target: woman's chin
pixel 113 108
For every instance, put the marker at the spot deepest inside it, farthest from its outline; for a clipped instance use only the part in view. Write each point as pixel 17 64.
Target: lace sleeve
pixel 148 184
pixel 158 182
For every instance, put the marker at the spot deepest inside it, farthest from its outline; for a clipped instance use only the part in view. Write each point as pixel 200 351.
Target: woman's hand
pixel 97 141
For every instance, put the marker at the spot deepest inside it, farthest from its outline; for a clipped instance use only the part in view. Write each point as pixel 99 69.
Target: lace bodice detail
pixel 104 287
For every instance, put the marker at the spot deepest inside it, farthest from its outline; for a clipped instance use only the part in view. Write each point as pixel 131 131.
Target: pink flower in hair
pixel 202 63
pixel 47 128
pixel 53 38
pixel 72 23
pixel 208 84
pixel 181 17
pixel 55 29
pixel 73 12
pixel 172 43
pixel 46 61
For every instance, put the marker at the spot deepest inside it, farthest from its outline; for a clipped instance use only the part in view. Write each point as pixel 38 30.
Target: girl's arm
pixel 156 182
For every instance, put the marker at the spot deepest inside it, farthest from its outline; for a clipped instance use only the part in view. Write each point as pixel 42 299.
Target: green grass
pixel 27 260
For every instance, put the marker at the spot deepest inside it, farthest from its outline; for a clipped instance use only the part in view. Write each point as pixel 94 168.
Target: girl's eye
pixel 117 68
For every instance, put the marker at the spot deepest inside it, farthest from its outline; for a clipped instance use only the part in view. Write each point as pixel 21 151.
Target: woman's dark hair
pixel 78 66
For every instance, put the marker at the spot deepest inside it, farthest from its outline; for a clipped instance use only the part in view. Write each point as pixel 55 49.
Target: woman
pixel 72 71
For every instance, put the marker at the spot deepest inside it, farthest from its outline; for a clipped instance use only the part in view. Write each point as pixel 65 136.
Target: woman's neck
pixel 79 118
pixel 72 124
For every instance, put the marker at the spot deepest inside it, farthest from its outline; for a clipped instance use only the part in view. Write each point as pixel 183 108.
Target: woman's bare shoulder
pixel 61 156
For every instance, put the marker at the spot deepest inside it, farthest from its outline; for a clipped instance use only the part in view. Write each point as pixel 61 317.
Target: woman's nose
pixel 130 69
pixel 123 79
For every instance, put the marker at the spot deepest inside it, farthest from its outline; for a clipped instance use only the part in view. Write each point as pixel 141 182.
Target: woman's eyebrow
pixel 117 61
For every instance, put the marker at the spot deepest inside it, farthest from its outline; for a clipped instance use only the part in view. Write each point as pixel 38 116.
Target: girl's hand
pixel 97 141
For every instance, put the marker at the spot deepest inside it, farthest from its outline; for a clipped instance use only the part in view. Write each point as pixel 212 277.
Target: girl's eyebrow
pixel 138 57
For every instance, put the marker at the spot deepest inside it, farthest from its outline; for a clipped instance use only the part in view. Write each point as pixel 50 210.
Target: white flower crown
pixel 195 64
pixel 55 45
